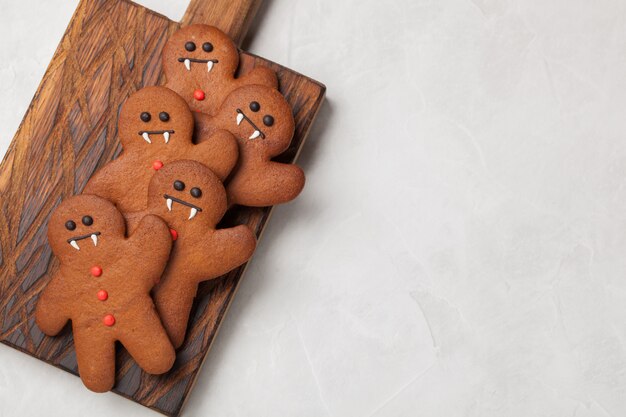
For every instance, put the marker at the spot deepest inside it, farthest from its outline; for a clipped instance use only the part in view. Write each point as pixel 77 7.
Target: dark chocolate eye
pixel 165 117
pixel 208 47
pixel 190 46
pixel 179 185
pixel 145 117
pixel 196 192
pixel 87 220
pixel 255 107
pixel 268 120
pixel 70 225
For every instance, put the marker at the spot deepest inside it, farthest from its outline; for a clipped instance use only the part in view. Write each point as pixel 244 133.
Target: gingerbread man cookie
pixel 155 128
pixel 263 123
pixel 192 200
pixel 200 62
pixel 103 286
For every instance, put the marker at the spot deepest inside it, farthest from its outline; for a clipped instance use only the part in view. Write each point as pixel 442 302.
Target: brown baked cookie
pixel 200 62
pixel 262 121
pixel 155 128
pixel 103 286
pixel 192 200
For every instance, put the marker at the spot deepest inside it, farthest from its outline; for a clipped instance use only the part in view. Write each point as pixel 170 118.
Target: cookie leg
pixel 174 300
pixel 149 345
pixel 95 354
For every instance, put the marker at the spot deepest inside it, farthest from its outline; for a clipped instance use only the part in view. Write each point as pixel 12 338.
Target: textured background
pixel 458 250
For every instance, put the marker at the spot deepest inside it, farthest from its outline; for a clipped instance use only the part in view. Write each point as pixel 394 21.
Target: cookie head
pixel 155 118
pixel 84 226
pixel 187 195
pixel 198 52
pixel 259 117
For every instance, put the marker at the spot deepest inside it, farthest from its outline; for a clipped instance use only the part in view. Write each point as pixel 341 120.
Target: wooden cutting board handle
pixel 232 16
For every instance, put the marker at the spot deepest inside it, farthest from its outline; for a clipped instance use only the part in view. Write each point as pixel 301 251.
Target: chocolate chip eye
pixel 87 220
pixel 70 225
pixel 190 46
pixel 165 117
pixel 255 107
pixel 179 185
pixel 196 192
pixel 208 47
pixel 268 120
pixel 145 117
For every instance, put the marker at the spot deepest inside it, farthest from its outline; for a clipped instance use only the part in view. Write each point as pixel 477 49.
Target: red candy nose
pixel 157 165
pixel 108 320
pixel 174 234
pixel 198 95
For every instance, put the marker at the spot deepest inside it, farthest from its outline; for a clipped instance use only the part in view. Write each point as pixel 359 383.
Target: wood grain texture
pixel 110 49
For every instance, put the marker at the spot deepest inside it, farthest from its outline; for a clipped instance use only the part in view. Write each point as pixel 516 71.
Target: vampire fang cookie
pixel 263 123
pixel 200 63
pixel 94 289
pixel 156 128
pixel 192 200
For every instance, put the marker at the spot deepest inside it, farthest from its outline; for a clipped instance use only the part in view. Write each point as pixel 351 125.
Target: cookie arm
pixel 133 219
pixel 218 150
pixel 260 76
pixel 232 248
pixel 51 313
pixel 204 127
pixel 101 185
pixel 279 183
pixel 148 248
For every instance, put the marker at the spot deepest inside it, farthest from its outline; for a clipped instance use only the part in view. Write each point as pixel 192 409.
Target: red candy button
pixel 157 165
pixel 103 295
pixel 96 271
pixel 198 95
pixel 174 234
pixel 109 320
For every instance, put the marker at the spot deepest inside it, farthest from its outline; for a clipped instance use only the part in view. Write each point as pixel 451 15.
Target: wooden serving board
pixel 111 48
